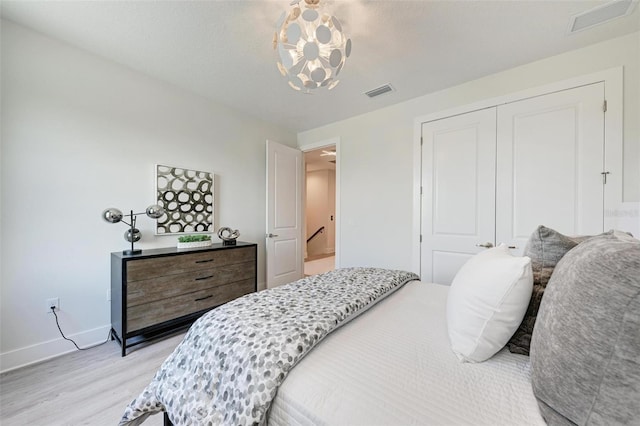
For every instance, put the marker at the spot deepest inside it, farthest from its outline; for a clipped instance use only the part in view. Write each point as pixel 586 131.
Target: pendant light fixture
pixel 312 49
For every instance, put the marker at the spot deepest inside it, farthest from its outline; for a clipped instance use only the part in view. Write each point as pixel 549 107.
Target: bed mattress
pixel 393 366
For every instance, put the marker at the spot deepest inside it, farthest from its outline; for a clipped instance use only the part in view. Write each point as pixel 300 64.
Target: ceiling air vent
pixel 379 91
pixel 600 15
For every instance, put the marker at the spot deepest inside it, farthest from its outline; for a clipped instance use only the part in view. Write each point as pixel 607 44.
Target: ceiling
pixel 319 160
pixel 223 50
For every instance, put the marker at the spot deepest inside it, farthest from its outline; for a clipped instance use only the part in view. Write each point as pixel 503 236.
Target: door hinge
pixel 421 141
pixel 604 177
pixel 604 106
pixel 421 190
pixel 420 237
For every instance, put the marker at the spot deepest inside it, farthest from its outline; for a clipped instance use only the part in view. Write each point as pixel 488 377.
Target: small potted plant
pixel 191 241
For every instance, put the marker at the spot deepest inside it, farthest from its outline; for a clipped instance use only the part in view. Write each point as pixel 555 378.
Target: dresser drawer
pixel 169 265
pixel 159 311
pixel 149 290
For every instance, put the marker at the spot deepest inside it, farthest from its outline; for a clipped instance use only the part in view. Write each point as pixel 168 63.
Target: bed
pixel 388 363
pixel 383 351
pixel 394 366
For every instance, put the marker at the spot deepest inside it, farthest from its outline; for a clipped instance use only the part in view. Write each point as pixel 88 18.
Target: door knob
pixel 270 235
pixel 485 245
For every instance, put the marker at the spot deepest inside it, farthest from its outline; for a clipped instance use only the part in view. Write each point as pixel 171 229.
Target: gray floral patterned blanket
pixel 228 367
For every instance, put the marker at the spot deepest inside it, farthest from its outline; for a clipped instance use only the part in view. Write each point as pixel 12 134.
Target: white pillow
pixel 487 301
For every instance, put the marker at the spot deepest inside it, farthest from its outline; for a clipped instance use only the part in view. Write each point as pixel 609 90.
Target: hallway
pixel 319 264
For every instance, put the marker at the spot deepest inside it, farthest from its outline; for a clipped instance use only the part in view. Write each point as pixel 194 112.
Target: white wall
pixel 377 149
pixel 80 134
pixel 320 206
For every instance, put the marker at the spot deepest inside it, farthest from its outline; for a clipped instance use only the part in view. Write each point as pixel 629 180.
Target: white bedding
pixel 393 365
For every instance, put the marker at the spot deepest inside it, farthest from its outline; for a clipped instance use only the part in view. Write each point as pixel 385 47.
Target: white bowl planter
pixel 195 244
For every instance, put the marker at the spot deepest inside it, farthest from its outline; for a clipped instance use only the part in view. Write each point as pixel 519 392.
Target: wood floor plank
pixel 90 387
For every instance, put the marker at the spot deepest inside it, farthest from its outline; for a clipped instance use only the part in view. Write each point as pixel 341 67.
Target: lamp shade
pixel 312 48
pixel 132 235
pixel 112 215
pixel 154 211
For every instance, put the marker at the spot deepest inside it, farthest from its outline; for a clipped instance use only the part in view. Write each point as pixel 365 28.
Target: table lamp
pixel 133 234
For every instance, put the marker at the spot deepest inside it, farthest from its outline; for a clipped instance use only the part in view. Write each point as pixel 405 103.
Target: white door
pixel 458 185
pixel 284 214
pixel 492 176
pixel 550 159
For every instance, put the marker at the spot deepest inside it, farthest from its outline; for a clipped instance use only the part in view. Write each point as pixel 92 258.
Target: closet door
pixel 458 191
pixel 550 158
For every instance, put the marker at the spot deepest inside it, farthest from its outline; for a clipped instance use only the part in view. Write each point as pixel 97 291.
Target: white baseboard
pixel 51 349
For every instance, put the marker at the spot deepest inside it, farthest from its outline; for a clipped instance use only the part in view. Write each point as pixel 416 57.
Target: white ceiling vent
pixel 600 15
pixel 379 91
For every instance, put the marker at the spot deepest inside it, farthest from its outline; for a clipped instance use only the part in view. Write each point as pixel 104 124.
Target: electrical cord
pixel 53 310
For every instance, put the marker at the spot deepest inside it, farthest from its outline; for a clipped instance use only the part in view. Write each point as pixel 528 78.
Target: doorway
pixel 320 217
pixel 285 224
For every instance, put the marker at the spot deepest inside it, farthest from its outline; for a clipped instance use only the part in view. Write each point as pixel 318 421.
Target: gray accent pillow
pixel 545 247
pixel 585 350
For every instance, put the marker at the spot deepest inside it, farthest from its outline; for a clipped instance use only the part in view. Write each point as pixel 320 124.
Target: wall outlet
pixel 54 301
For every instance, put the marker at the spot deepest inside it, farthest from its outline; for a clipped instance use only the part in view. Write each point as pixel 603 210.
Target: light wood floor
pixel 318 256
pixel 90 387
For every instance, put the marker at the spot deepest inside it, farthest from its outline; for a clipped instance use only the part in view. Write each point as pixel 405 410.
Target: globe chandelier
pixel 311 46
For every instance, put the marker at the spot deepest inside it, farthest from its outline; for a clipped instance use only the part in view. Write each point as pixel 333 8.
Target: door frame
pixel 613 137
pixel 335 141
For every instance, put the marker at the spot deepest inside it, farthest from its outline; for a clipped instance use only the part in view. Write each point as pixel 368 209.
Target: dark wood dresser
pixel 160 291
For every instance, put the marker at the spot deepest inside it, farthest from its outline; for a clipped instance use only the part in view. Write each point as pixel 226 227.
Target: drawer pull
pixel 204 298
pixel 204 278
pixel 204 261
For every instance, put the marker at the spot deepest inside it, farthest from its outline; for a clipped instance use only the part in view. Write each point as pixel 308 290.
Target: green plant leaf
pixel 194 238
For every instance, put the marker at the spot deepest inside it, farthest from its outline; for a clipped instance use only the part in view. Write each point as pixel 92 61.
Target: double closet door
pixel 493 175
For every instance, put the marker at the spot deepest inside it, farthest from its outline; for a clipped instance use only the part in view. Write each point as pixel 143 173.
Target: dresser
pixel 160 291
